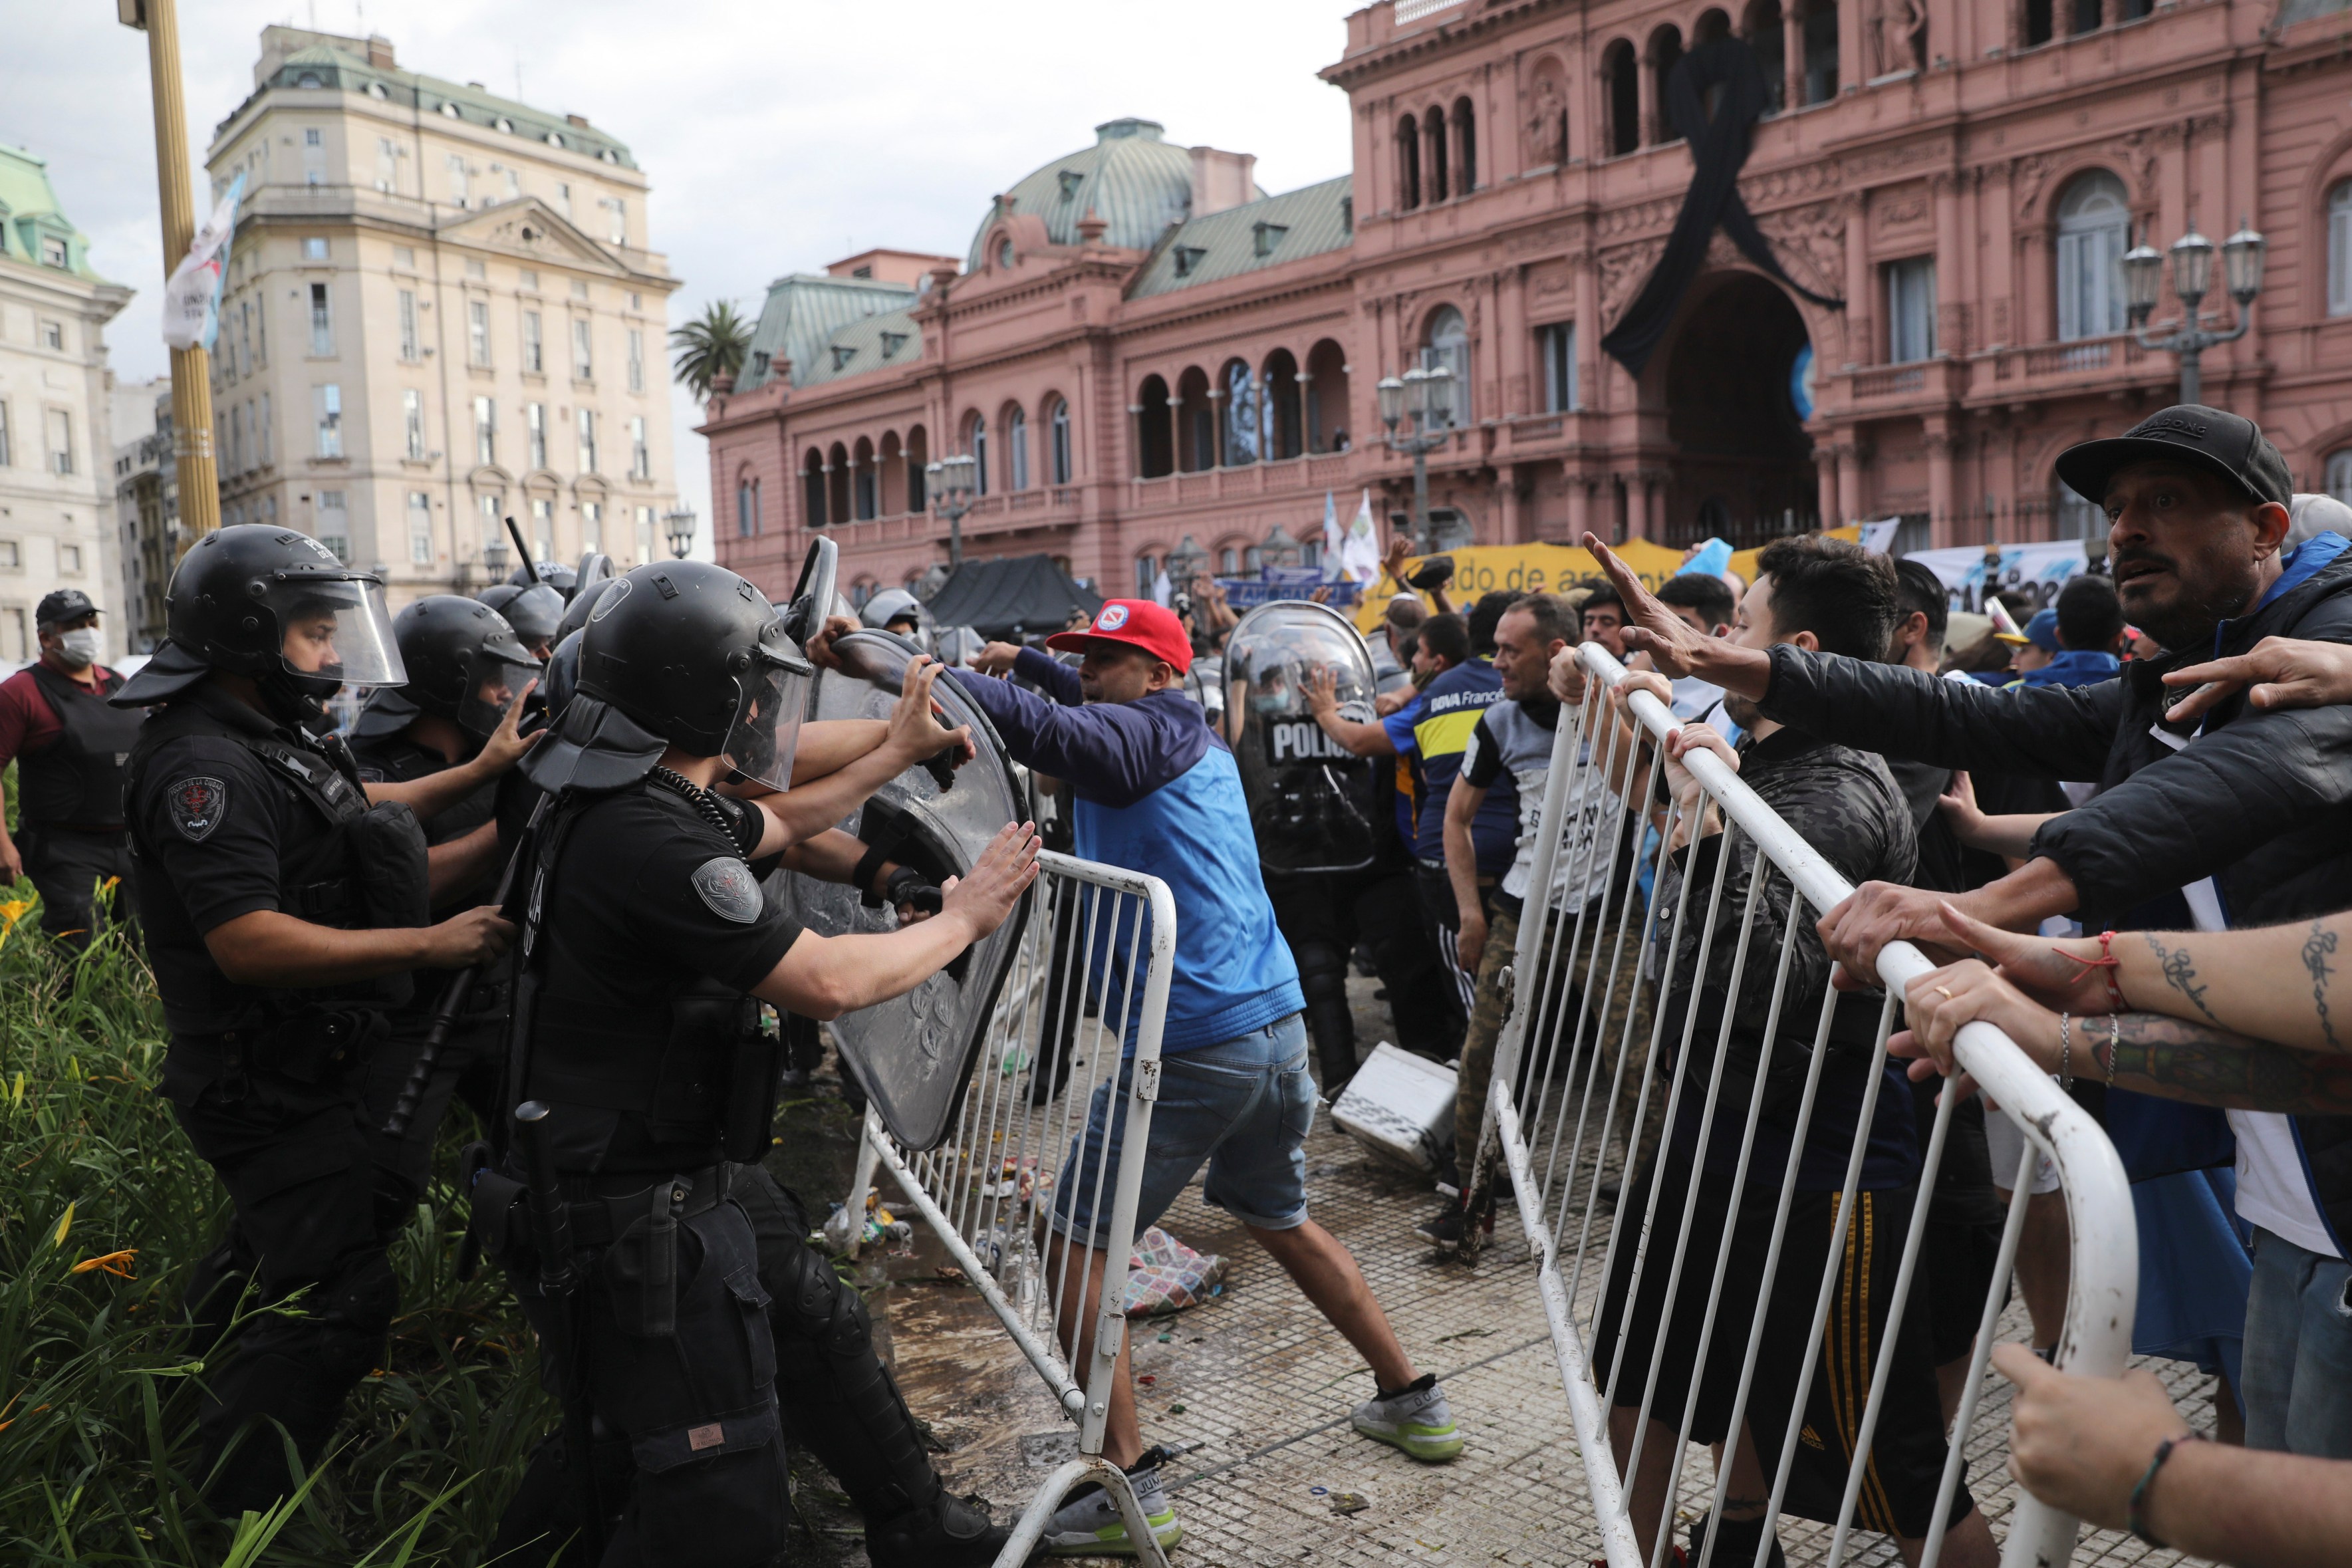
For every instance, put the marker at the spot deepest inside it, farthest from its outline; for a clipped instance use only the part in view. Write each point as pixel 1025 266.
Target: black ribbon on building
pixel 1718 150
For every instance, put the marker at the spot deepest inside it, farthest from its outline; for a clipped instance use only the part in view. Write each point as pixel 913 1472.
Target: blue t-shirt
pixel 1440 721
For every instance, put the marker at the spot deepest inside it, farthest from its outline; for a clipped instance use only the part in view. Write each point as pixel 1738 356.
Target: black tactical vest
pixel 78 782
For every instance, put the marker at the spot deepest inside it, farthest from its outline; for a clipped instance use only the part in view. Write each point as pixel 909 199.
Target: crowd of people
pixel 531 879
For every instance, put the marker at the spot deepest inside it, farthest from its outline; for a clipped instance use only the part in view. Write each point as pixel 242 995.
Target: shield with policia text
pixel 914 1053
pixel 1310 800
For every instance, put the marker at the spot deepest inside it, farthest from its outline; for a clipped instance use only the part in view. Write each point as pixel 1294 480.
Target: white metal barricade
pixel 1574 1081
pixel 1090 976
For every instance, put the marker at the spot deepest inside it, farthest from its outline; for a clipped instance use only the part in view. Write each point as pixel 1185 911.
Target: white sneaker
pixel 1414 1418
pixel 1089 1525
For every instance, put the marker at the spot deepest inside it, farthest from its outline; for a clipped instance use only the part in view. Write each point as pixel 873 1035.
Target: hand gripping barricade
pixel 1091 970
pixel 1574 1077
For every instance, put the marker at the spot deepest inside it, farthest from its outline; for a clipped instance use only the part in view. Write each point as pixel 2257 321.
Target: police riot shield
pixel 914 1053
pixel 1310 801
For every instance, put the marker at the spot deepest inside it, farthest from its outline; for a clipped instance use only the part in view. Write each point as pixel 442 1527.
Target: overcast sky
pixel 778 136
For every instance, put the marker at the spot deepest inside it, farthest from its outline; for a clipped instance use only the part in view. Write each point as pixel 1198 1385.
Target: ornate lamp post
pixel 1186 564
pixel 1425 395
pixel 950 488
pixel 2192 274
pixel 1280 550
pixel 494 561
pixel 678 527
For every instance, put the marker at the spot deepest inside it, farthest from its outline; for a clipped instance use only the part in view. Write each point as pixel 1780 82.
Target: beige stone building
pixel 56 488
pixel 441 309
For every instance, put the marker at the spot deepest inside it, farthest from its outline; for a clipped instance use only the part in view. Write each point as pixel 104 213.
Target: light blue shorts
pixel 1244 1106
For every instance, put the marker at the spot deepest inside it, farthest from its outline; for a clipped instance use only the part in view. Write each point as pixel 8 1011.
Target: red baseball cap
pixel 1136 623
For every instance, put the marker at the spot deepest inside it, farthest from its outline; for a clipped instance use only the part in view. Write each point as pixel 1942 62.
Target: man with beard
pixel 2234 815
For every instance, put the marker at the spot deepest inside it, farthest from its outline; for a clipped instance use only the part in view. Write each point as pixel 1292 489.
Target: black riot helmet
pixel 464 661
pixel 534 610
pixel 698 656
pixel 583 603
pixel 550 575
pixel 278 606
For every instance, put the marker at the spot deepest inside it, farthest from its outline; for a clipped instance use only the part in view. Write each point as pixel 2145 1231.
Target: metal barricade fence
pixel 1090 974
pixel 1573 1087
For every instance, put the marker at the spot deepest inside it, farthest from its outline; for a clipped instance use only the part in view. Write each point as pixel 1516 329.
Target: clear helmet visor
pixel 333 625
pixel 495 677
pixel 767 725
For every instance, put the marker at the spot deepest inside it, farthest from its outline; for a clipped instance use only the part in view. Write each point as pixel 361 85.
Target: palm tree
pixel 714 344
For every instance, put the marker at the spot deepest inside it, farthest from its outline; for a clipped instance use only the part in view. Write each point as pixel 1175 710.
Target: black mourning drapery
pixel 1719 148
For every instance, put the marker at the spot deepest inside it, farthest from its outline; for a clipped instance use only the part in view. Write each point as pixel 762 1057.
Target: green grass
pixel 98 1401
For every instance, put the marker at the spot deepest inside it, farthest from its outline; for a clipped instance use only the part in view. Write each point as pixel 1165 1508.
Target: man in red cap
pixel 1156 790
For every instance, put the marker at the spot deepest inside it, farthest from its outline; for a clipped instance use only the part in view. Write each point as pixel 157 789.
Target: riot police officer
pixel 702 1328
pixel 535 611
pixel 458 712
pixel 283 915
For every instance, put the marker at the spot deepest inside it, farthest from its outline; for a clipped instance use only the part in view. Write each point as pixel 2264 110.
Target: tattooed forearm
pixel 2150 1054
pixel 2179 971
pixel 2317 950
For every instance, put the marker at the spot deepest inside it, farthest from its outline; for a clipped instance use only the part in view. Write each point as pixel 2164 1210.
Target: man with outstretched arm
pixel 2231 815
pixel 1156 792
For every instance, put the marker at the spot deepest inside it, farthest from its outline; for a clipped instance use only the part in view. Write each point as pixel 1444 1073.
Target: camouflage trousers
pixel 1568 981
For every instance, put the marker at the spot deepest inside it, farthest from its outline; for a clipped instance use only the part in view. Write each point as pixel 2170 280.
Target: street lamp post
pixel 951 488
pixel 1280 550
pixel 1185 565
pixel 494 561
pixel 678 527
pixel 2192 274
pixel 1426 395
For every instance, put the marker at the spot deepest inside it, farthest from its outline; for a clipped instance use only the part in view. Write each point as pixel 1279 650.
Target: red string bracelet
pixel 2107 962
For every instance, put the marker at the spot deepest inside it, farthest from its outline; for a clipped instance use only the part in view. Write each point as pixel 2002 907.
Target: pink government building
pixel 1142 346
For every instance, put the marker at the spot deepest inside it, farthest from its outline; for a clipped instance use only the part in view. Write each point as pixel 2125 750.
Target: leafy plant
pixel 715 343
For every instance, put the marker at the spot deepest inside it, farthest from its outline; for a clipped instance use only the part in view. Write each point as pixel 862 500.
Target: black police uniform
pixel 230 813
pixel 472 1057
pixel 706 1326
pixel 69 803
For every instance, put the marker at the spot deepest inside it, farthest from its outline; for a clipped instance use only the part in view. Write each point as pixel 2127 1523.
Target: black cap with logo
pixel 2220 443
pixel 62 604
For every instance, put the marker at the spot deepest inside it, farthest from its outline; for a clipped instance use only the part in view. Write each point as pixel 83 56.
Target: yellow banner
pixel 1547 568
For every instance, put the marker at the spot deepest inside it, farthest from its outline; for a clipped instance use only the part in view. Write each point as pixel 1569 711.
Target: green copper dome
pixel 1136 183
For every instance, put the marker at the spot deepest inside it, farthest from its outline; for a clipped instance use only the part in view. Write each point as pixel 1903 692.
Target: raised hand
pixel 984 900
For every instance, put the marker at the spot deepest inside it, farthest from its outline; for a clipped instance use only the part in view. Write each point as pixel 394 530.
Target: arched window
pixel 1229 561
pixel 1243 415
pixel 837 483
pixel 1016 449
pixel 864 499
pixel 1446 341
pixel 1821 50
pixel 747 508
pixel 1433 127
pixel 1408 135
pixel 1713 28
pixel 2339 249
pixel 1147 574
pixel 1327 397
pixel 1283 438
pixel 975 441
pixel 1466 147
pixel 1766 37
pixel 1155 448
pixel 2339 476
pixel 1665 53
pixel 2094 227
pixel 859 591
pixel 919 483
pixel 812 489
pixel 890 474
pixel 1196 428
pixel 2074 516
pixel 1623 90
pixel 1057 442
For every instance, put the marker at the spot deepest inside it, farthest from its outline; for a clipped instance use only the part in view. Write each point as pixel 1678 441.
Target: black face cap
pixel 62 604
pixel 2220 442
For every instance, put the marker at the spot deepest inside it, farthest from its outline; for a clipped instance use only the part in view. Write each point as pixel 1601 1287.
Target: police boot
pixel 949 1533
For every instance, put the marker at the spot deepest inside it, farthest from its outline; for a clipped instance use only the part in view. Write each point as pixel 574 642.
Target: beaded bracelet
pixel 2066 1054
pixel 2136 1524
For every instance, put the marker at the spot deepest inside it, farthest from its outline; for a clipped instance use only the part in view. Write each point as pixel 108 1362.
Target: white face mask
pixel 79 647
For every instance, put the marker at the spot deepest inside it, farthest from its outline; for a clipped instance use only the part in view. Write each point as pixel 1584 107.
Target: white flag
pixel 192 296
pixel 1334 542
pixel 1878 538
pixel 1360 556
pixel 1161 588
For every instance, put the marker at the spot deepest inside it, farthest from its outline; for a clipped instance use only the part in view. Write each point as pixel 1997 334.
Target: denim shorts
pixel 1244 1106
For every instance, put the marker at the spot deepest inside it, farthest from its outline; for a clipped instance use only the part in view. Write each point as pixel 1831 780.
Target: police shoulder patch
pixel 727 887
pixel 197 806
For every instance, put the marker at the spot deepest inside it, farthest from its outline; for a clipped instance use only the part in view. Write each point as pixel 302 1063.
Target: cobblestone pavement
pixel 1258 1389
